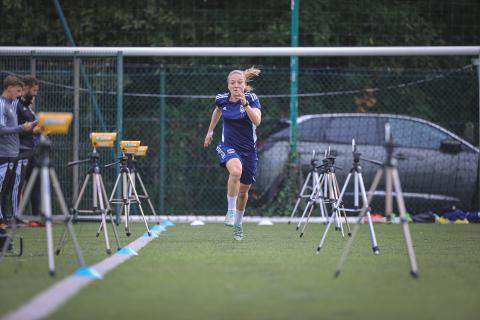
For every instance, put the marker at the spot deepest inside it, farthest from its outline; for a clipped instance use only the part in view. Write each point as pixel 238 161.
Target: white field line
pixel 46 302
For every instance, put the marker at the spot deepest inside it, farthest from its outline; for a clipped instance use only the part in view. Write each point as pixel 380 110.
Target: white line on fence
pixel 265 96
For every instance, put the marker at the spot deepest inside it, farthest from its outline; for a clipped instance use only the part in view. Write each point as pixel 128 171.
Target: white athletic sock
pixel 239 216
pixel 232 202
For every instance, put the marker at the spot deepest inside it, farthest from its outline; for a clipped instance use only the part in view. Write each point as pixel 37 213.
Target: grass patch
pixel 202 273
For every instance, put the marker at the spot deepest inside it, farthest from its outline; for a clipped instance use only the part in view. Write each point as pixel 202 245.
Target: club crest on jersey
pixel 242 109
pixel 10 165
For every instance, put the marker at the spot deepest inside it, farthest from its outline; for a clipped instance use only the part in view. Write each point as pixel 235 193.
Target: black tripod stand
pixel 358 185
pixel 100 205
pixel 129 193
pixel 392 181
pixel 48 177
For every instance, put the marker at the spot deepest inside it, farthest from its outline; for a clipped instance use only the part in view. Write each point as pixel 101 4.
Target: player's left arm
pixel 252 107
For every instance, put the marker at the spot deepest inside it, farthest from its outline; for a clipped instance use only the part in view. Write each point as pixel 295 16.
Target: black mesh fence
pixel 433 113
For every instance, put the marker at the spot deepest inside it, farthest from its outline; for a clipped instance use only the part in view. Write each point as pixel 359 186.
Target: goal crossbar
pixel 244 51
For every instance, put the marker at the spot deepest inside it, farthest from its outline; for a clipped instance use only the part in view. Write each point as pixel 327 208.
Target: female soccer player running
pixel 240 111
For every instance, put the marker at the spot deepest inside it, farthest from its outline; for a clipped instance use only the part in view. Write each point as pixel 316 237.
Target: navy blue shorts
pixel 248 160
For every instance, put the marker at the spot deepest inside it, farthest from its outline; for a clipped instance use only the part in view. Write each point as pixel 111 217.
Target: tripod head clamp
pixel 314 160
pixel 356 155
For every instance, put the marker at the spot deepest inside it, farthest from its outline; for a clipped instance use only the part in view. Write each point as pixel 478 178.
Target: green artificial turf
pixel 202 273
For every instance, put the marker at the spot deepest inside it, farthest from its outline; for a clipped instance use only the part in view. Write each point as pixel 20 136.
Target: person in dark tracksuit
pixel 9 137
pixel 28 140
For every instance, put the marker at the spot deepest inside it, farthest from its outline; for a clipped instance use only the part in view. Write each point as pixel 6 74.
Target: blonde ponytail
pixel 250 73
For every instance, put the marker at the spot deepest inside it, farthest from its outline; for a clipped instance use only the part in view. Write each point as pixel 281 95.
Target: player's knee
pixel 242 194
pixel 236 172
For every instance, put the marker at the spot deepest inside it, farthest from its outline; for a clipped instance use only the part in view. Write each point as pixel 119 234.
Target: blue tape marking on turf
pixel 152 235
pixel 168 223
pixel 88 273
pixel 158 227
pixel 128 251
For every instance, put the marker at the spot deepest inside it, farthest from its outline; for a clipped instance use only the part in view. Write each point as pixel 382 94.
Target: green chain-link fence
pixel 168 108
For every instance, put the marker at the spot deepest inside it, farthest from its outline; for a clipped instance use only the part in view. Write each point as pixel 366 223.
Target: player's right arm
pixel 216 114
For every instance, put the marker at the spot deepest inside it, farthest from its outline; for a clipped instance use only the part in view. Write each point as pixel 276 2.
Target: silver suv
pixel 438 170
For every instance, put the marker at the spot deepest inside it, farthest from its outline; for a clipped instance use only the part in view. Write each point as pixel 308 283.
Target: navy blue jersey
pixel 238 130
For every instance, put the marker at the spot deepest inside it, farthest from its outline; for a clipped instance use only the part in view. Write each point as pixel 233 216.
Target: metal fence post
pixel 476 62
pixel 161 156
pixel 119 121
pixel 33 64
pixel 76 123
pixel 295 4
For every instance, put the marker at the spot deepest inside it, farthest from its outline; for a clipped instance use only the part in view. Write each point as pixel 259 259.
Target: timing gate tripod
pixel 100 205
pixel 392 181
pixel 326 191
pixel 126 200
pixel 358 183
pixel 310 182
pixel 48 177
pixel 135 175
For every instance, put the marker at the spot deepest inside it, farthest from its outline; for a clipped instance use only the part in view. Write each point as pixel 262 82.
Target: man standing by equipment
pixel 28 141
pixel 9 136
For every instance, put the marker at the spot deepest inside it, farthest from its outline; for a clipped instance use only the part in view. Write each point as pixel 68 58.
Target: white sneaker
pixel 238 232
pixel 230 218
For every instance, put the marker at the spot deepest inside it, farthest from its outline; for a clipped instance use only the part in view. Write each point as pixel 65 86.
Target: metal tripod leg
pixel 63 238
pixel 340 208
pixel 120 176
pixel 311 200
pixel 146 196
pixel 299 199
pixel 322 241
pixel 98 207
pixel 329 190
pixel 403 220
pixel 102 200
pixel 308 218
pixel 47 211
pixel 349 244
pixel 373 238
pixel 139 205
pixel 68 217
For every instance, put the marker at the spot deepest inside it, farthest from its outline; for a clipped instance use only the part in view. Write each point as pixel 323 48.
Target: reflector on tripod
pixel 103 139
pixel 141 151
pixel 54 122
pixel 129 147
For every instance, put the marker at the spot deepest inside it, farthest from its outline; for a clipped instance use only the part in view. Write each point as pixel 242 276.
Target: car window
pixel 312 129
pixel 308 130
pixel 413 134
pixel 364 130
